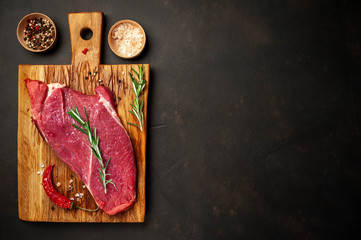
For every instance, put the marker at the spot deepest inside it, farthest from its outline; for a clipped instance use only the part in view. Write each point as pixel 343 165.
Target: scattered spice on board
pixel 39 33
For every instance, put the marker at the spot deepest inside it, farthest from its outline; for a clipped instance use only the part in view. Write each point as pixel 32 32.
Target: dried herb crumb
pixel 52 208
pixel 86 78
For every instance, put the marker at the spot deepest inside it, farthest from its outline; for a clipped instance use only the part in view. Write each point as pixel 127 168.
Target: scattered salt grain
pixel 77 195
pixel 38 173
pixel 71 199
pixel 71 181
pixel 58 184
pixel 77 199
pixel 128 38
pixel 42 165
pixel 83 186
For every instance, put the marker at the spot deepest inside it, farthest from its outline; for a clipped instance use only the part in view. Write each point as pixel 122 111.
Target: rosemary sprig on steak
pixel 137 106
pixel 94 141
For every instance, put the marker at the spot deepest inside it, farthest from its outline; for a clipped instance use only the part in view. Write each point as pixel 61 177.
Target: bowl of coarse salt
pixel 126 39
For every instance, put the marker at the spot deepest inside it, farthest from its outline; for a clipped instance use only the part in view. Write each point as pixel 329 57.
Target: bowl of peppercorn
pixel 36 32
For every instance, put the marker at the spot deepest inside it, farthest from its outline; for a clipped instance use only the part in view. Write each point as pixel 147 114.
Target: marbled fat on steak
pixel 50 104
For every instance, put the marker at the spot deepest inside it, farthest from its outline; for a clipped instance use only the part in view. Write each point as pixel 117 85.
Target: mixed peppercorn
pixel 39 33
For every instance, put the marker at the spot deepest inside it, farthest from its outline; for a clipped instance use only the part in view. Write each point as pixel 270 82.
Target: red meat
pixel 50 104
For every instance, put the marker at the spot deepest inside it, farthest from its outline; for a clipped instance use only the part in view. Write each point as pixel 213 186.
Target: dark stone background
pixel 254 117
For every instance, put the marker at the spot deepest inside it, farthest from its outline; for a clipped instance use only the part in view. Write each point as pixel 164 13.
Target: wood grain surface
pixel 34 204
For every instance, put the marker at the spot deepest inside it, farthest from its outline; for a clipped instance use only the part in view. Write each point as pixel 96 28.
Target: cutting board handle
pixel 85 51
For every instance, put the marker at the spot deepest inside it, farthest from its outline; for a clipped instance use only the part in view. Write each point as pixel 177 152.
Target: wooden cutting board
pixel 33 151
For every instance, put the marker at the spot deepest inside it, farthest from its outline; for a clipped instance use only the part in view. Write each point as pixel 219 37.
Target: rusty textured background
pixel 254 116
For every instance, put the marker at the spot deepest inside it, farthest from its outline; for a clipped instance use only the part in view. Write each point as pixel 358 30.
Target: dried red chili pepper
pixel 85 51
pixel 54 195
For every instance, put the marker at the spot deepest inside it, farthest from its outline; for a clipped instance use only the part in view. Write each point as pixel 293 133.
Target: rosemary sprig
pixel 137 106
pixel 94 141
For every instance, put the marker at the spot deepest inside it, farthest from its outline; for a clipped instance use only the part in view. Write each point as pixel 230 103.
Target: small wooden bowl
pixel 112 42
pixel 21 26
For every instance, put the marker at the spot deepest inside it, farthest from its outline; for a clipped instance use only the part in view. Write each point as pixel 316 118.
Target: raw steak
pixel 50 104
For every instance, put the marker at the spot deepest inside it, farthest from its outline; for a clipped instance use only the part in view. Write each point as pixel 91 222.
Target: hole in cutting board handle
pixel 86 33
